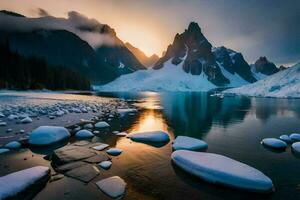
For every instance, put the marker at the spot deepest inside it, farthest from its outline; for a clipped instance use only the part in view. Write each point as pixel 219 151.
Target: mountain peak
pixel 194 27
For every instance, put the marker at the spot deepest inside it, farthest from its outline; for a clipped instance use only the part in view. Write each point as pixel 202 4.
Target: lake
pixel 232 126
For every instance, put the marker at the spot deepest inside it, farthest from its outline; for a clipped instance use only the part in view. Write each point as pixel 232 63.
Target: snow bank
pixel 284 84
pixel 220 169
pixel 113 186
pixel 151 136
pixel 189 143
pixel 47 135
pixel 14 183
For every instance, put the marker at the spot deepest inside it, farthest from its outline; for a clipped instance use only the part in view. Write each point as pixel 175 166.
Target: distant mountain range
pixel 76 42
pixel 191 63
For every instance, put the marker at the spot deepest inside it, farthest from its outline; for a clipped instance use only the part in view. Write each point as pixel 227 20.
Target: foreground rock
pixel 151 136
pixel 47 135
pixel 274 143
pixel 113 186
pixel 296 147
pixel 189 143
pixel 24 184
pixel 219 169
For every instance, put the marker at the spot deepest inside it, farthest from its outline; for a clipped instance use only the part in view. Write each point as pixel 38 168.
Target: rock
pixel 9 130
pixel 71 153
pixel 82 134
pixel 295 137
pixel 114 151
pixel 102 125
pixel 152 136
pixel 220 169
pixel 122 134
pixel 296 147
pixel 2 115
pixel 286 139
pixel 96 132
pixel 189 143
pixel 16 185
pixel 97 158
pixel 105 164
pixel 3 150
pixel 81 143
pixel 56 177
pixel 113 186
pixel 100 147
pixel 12 117
pixel 48 135
pixel 3 123
pixel 88 126
pixel 13 145
pixel 274 143
pixel 83 173
pixel 26 120
pixel 70 166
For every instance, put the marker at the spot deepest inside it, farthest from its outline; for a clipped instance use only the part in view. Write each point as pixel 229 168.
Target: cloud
pixel 90 30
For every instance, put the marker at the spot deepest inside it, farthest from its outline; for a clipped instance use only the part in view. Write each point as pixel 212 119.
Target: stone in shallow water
pixel 84 173
pixel 121 134
pixel 114 151
pixel 3 123
pixel 4 150
pixel 296 147
pixel 47 135
pixel 151 136
pixel 100 147
pixel 220 169
pixel 82 134
pixel 274 143
pixel 70 166
pixel 286 139
pixel 88 126
pixel 102 125
pixel 295 137
pixel 26 120
pixel 13 145
pixel 105 164
pixel 97 158
pixel 18 184
pixel 71 153
pixel 189 143
pixel 113 186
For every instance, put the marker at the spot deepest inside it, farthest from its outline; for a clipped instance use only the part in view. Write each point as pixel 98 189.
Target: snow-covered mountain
pixel 283 84
pixel 189 64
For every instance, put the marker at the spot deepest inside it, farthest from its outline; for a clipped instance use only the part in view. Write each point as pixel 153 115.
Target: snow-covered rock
pixel 102 125
pixel 286 139
pixel 220 169
pixel 189 143
pixel 84 134
pixel 105 164
pixel 3 150
pixel 295 137
pixel 100 147
pixel 283 84
pixel 17 182
pixel 113 186
pixel 47 135
pixel 26 120
pixel 274 143
pixel 114 151
pixel 12 117
pixel 151 136
pixel 296 147
pixel 13 145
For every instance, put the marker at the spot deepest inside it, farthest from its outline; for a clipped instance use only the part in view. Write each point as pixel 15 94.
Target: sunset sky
pixel 255 27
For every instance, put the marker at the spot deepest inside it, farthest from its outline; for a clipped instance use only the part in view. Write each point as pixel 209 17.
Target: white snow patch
pixel 220 169
pixel 47 135
pixel 14 183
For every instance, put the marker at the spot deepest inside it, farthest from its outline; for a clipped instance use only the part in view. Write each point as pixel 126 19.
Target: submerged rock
pixel 105 164
pixel 13 145
pixel 114 151
pixel 151 136
pixel 83 173
pixel 220 169
pixel 274 143
pixel 47 135
pixel 82 134
pixel 114 186
pixel 18 184
pixel 189 143
pixel 102 125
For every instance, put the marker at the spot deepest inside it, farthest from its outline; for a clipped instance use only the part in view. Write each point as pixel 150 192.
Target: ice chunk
pixel 189 143
pixel 220 169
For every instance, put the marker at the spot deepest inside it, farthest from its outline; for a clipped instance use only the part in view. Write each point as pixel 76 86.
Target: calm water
pixel 232 126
